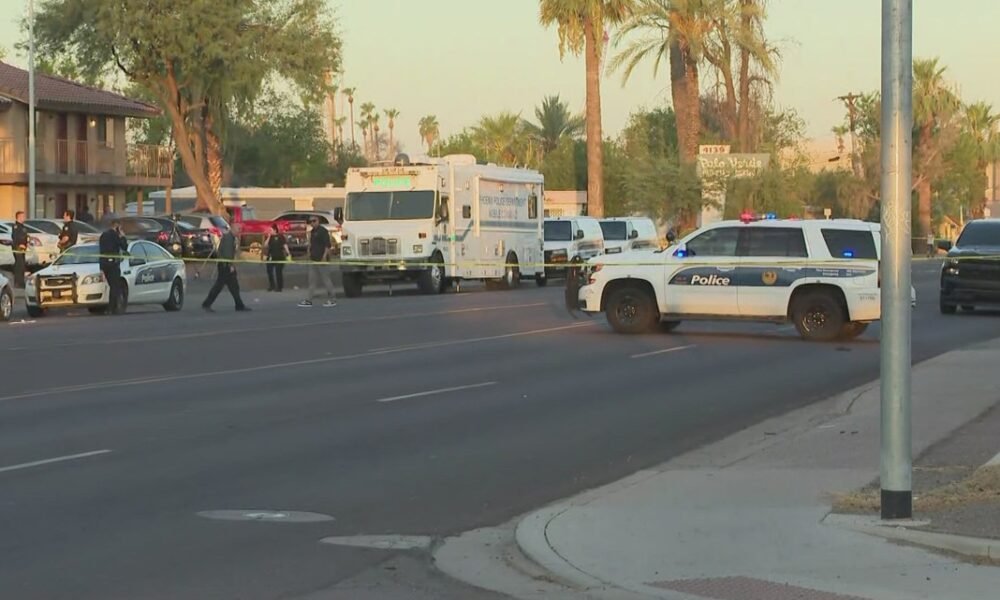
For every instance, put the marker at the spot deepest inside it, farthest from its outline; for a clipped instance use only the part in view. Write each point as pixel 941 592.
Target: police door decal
pixel 760 276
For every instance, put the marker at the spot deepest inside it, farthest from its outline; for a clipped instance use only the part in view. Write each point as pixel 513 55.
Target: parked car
pixel 254 231
pixel 213 224
pixel 568 239
pixel 6 299
pixel 331 220
pixel 623 234
pixel 87 233
pixel 970 275
pixel 6 250
pixel 43 248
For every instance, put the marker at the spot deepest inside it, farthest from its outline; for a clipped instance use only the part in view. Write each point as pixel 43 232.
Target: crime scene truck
pixel 441 220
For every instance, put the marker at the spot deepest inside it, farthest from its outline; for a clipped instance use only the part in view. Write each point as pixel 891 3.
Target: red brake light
pixel 215 231
pixel 162 236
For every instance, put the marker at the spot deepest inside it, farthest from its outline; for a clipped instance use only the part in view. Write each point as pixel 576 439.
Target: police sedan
pixel 150 275
pixel 6 299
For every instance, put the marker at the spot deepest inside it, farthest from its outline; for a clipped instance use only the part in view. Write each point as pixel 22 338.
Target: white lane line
pixel 49 461
pixel 664 351
pixel 298 325
pixel 457 388
pixel 285 365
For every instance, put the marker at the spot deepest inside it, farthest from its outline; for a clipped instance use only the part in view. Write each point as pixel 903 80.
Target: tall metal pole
pixel 31 110
pixel 897 146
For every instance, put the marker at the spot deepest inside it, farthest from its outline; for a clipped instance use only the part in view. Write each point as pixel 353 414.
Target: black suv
pixel 971 273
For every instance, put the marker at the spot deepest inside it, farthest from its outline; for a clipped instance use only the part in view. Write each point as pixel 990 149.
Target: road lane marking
pixel 49 461
pixel 664 351
pixel 448 390
pixel 285 365
pixel 297 325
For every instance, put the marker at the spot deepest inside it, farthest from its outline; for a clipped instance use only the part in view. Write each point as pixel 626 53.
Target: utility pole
pixel 31 110
pixel 850 101
pixel 897 147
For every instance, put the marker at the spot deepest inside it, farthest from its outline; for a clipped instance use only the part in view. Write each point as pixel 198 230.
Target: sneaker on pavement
pixel 305 304
pixel 330 303
pixel 207 309
pixel 243 309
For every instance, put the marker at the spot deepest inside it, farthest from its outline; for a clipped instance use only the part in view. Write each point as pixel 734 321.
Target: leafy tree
pixel 200 59
pixel 935 108
pixel 502 139
pixel 565 166
pixel 582 27
pixel 554 123
pixel 463 142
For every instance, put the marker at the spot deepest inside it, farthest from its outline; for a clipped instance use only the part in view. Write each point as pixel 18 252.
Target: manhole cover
pixel 272 516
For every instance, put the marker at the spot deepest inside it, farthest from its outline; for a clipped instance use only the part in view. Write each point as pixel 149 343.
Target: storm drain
pixel 747 588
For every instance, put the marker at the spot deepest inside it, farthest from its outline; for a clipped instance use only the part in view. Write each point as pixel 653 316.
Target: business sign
pixel 727 166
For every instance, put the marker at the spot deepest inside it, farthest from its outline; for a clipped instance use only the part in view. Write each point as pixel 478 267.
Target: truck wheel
pixel 511 274
pixel 36 312
pixel 6 304
pixel 852 330
pixel 631 310
pixel 541 280
pixel 431 280
pixel 668 326
pixel 352 285
pixel 818 316
pixel 176 300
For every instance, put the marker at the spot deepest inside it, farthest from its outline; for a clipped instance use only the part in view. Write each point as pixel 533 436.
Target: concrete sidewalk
pixel 743 519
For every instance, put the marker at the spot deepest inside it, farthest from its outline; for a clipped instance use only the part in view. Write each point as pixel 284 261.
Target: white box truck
pixel 440 220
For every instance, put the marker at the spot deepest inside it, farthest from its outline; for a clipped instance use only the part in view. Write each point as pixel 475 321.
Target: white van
pixel 571 238
pixel 622 234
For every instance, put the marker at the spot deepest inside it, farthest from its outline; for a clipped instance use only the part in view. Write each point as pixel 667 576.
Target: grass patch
pixel 983 485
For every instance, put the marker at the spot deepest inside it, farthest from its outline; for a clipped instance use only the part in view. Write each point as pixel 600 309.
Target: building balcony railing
pixel 11 160
pixel 154 162
pixel 82 156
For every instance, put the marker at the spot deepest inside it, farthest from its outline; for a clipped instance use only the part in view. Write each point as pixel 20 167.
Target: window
pixel 138 226
pixel 980 233
pixel 400 205
pixel 466 212
pixel 155 253
pixel 138 251
pixel 615 231
pixel 715 242
pixel 219 222
pixel 533 206
pixel 558 231
pixel 80 255
pixel 850 243
pixel 771 241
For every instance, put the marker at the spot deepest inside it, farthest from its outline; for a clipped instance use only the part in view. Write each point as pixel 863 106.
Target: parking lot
pixel 405 414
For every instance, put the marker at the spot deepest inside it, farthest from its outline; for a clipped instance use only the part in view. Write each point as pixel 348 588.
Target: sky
pixel 460 59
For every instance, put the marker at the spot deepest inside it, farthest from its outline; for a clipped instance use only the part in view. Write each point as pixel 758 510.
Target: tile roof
pixel 56 93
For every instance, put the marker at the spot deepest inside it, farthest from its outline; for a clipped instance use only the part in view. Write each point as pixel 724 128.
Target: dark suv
pixel 970 276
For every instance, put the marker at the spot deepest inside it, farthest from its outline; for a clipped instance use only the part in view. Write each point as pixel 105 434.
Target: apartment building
pixel 83 157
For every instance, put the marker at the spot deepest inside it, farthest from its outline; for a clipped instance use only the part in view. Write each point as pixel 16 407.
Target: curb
pixel 987 548
pixel 532 539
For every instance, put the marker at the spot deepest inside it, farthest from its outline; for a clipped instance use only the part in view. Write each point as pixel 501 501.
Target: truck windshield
pixel 80 255
pixel 558 231
pixel 383 206
pixel 614 230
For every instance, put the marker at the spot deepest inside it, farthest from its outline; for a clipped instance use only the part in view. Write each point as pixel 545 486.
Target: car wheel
pixel 668 326
pixel 852 330
pixel 818 316
pixel 631 310
pixel 352 285
pixel 946 308
pixel 176 300
pixel 36 312
pixel 6 304
pixel 431 279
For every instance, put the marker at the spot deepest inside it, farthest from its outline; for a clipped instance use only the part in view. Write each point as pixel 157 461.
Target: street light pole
pixel 897 146
pixel 31 110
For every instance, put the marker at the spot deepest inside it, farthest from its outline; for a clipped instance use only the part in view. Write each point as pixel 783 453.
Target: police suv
pixel 820 275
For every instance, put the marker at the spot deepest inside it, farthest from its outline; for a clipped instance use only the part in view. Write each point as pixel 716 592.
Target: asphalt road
pixel 401 415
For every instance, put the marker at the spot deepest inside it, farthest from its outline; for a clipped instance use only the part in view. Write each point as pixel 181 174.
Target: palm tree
pixel 367 112
pixel 555 122
pixel 429 131
pixel 501 137
pixel 392 114
pixel 676 30
pixel 376 142
pixel 349 92
pixel 982 124
pixel 582 27
pixel 935 107
pixel 339 124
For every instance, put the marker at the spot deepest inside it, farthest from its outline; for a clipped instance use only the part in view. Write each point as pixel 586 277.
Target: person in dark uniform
pixel 19 239
pixel 277 250
pixel 574 272
pixel 226 274
pixel 112 246
pixel 85 216
pixel 69 234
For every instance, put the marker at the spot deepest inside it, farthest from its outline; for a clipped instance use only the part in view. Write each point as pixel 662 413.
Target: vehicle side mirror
pixel 579 234
pixel 136 262
pixel 442 212
pixel 338 215
pixel 944 245
pixel 634 234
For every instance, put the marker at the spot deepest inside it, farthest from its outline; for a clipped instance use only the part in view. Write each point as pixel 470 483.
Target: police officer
pixel 226 274
pixel 68 235
pixel 19 239
pixel 112 245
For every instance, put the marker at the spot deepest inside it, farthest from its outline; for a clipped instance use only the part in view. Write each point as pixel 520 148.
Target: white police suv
pixel 820 275
pixel 150 274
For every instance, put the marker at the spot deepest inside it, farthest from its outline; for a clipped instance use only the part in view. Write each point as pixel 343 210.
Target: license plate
pixel 57 294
